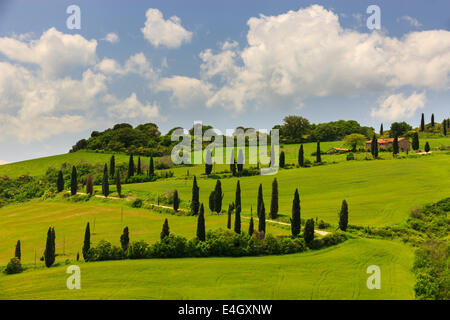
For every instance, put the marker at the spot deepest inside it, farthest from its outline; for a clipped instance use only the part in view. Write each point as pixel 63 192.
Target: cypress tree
pixel 165 230
pixel 87 242
pixel 233 164
pixel 237 221
pixel 139 168
pixel 444 125
pixel 295 220
pixel 274 202
pixel 237 199
pixel 118 184
pixel 282 159
pixel 125 239
pixel 422 123
pixel 427 147
pixel 212 198
pixel 105 182
pixel 201 233
pixel 381 130
pixel 195 203
pixel 343 216
pixel 18 252
pixel 130 172
pixel 301 157
pixel 218 196
pixel 395 146
pixel 89 186
pixel 208 163
pixel 60 181
pixel 374 146
pixel 308 234
pixel 112 166
pixel 432 120
pixel 176 200
pixel 151 167
pixel 73 182
pixel 49 253
pixel 260 200
pixel 240 161
pixel 251 227
pixel 262 219
pixel 318 155
pixel 230 211
pixel 415 142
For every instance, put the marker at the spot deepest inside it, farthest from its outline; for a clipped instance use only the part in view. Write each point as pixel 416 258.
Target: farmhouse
pixel 386 143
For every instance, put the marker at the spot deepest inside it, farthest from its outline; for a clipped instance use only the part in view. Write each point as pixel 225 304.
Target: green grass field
pixel 334 273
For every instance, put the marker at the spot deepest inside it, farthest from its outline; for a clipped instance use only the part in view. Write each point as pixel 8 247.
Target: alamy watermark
pixel 74 280
pixel 374 281
pixel 190 149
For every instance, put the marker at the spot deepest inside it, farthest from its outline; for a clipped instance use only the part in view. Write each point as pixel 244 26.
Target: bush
pixel 350 156
pixel 171 246
pixel 138 250
pixel 271 245
pixel 137 203
pixel 13 266
pixel 289 245
pixel 105 251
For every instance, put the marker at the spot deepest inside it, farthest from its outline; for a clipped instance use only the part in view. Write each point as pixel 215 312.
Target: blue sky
pixel 220 62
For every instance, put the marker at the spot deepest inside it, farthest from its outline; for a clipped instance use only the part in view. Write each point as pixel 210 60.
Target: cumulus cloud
pixel 186 91
pixel 412 21
pixel 137 64
pixel 131 108
pixel 169 33
pixel 398 107
pixel 111 38
pixel 56 53
pixel 307 53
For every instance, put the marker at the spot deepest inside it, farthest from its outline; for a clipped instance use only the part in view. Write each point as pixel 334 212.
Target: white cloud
pixel 399 107
pixel 186 91
pixel 160 32
pixel 412 21
pixel 137 63
pixel 111 38
pixel 131 108
pixel 307 53
pixel 56 53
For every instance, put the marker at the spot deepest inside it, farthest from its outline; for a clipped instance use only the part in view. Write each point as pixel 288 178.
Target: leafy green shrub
pixel 350 156
pixel 171 246
pixel 271 245
pixel 289 245
pixel 323 225
pixel 105 251
pixel 137 203
pixel 13 266
pixel 138 250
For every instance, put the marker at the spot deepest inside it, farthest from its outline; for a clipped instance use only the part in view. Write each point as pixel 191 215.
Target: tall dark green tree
pixel 301 157
pixel 260 199
pixel 374 146
pixel 49 253
pixel 318 155
pixel 237 221
pixel 151 167
pixel 343 216
pixel 139 167
pixel 87 242
pixel 195 203
pixel 262 219
pixel 282 159
pixel 395 146
pixel 208 163
pixel 130 172
pixel 432 120
pixel 230 211
pixel 415 142
pixel 308 234
pixel 237 199
pixel 112 166
pixel 125 239
pixel 105 181
pixel 444 128
pixel 381 130
pixel 73 182
pixel 18 252
pixel 274 201
pixel 295 220
pixel 118 184
pixel 240 161
pixel 251 227
pixel 176 200
pixel 165 229
pixel 90 185
pixel 212 198
pixel 422 123
pixel 60 181
pixel 232 164
pixel 427 147
pixel 218 196
pixel 201 231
